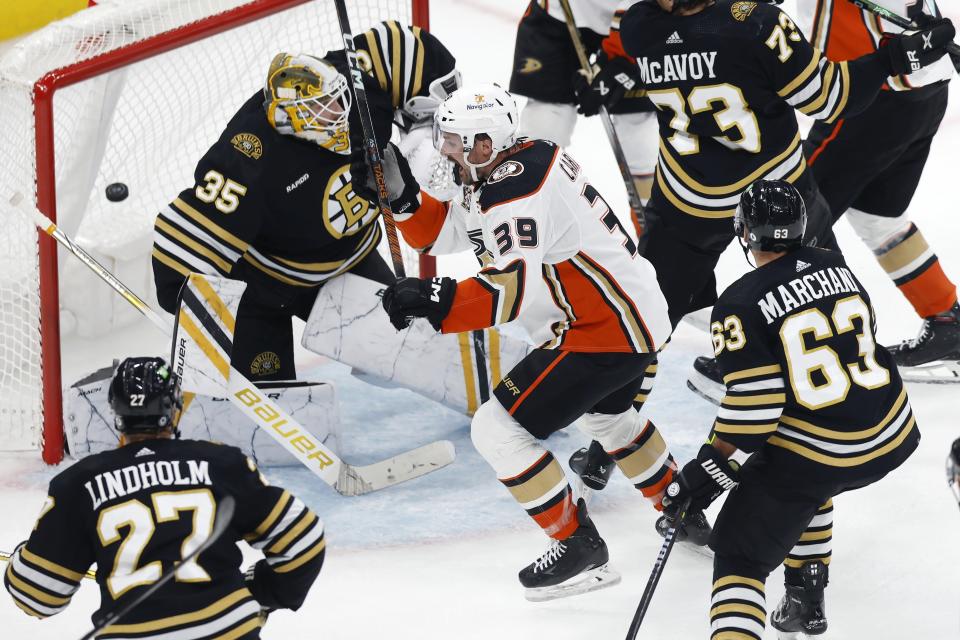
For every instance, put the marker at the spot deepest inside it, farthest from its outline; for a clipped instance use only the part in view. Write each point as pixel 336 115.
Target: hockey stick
pixel 658 566
pixel 953 48
pixel 370 140
pixel 313 454
pixel 7 557
pixel 225 509
pixel 633 196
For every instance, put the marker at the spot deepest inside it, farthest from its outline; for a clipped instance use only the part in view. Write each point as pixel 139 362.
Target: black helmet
pixel 145 396
pixel 773 215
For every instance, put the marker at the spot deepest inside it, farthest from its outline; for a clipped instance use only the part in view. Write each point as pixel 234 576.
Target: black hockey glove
pixel 267 603
pixel 702 479
pixel 415 298
pixel 913 50
pixel 612 79
pixel 403 190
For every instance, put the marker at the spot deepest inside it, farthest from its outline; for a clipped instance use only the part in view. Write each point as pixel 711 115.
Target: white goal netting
pixel 145 124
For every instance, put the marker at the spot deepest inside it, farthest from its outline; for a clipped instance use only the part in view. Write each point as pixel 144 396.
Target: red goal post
pixel 45 327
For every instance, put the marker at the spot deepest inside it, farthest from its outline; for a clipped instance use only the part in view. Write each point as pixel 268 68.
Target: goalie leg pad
pixel 549 121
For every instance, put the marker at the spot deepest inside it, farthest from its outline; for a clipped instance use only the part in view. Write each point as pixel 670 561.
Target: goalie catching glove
pixel 702 479
pixel 409 298
pixel 612 78
pixel 403 190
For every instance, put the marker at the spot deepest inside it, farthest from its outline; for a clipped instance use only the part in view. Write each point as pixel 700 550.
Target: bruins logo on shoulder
pixel 247 144
pixel 505 170
pixel 265 364
pixel 741 10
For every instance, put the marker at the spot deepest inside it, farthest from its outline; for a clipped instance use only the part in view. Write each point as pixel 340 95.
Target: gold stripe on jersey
pixel 312 274
pixel 819 454
pixel 236 243
pixel 506 286
pixel 397 56
pixel 177 266
pixel 396 59
pixel 307 518
pixel 647 385
pixel 271 518
pixel 842 104
pixel 469 380
pixel 559 296
pixel 52 567
pixel 751 373
pixel 221 615
pixel 861 436
pixel 493 337
pixel 819 91
pixel 621 305
pixel 303 558
pixel 373 48
pixel 704 201
pixel 803 77
pixel 186 241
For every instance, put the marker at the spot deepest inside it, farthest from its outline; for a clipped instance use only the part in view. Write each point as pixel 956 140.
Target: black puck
pixel 117 192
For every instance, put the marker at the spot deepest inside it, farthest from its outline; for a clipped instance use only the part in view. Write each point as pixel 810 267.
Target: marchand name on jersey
pixel 127 480
pixel 813 286
pixel 677 67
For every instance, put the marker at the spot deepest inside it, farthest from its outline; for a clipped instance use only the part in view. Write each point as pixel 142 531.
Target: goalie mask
pixel 308 98
pixel 484 109
pixel 145 396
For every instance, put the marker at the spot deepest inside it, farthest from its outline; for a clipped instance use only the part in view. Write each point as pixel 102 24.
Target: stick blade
pixel 356 481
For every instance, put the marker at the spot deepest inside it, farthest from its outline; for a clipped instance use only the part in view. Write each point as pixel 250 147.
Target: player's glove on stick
pixel 415 298
pixel 612 78
pixel 702 479
pixel 268 603
pixel 911 51
pixel 403 189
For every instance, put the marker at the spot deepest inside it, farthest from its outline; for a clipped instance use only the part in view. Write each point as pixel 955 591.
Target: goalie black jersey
pixel 280 210
pixel 136 510
pixel 726 82
pixel 805 379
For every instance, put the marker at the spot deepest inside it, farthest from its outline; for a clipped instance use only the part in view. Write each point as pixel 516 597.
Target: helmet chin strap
pixel 746 252
pixel 473 167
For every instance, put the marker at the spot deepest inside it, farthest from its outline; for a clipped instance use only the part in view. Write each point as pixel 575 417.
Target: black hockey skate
pixel 706 381
pixel 934 355
pixel 593 465
pixel 801 611
pixel 572 566
pixel 693 533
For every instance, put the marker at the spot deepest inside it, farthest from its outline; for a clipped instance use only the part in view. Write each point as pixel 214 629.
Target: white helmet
pixel 478 109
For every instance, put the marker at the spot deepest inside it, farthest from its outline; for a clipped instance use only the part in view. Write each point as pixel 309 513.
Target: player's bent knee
pixel 613 431
pixel 549 121
pixel 877 231
pixel 497 436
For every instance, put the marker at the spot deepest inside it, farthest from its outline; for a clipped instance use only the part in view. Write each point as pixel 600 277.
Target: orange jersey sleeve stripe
pixel 422 228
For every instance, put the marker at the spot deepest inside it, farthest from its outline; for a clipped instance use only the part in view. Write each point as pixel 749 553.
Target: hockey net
pixel 129 91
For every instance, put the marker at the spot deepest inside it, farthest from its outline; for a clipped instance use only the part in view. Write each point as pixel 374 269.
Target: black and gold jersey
pixel 282 206
pixel 137 510
pixel 805 379
pixel 726 82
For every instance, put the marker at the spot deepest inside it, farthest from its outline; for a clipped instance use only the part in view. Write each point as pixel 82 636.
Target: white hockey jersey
pixel 844 32
pixel 554 257
pixel 588 14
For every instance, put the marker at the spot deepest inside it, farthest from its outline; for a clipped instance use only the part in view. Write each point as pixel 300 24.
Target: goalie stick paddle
pixel 658 566
pixel 262 410
pixel 225 508
pixel 953 48
pixel 370 140
pixel 633 196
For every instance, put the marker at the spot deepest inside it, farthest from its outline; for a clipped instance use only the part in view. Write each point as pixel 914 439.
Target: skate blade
pixel 592 580
pixel 699 550
pixel 938 372
pixel 705 387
